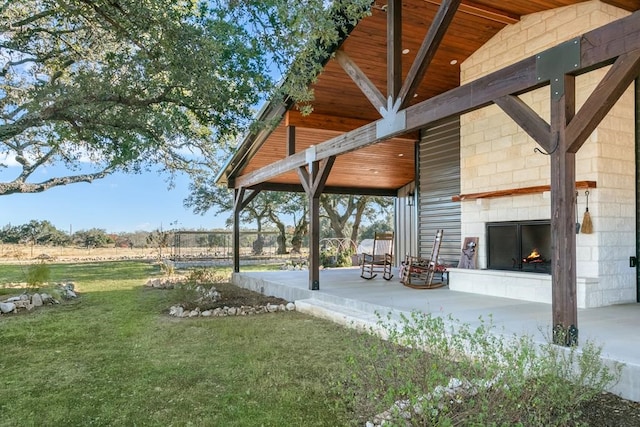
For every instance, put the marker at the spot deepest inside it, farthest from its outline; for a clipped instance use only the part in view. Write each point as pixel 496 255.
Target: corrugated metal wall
pixel 439 180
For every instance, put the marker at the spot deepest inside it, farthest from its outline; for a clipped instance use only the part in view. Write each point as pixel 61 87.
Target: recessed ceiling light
pixel 401 155
pixel 453 62
pixel 405 51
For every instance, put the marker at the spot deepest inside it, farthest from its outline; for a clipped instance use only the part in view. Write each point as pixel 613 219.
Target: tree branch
pixel 19 186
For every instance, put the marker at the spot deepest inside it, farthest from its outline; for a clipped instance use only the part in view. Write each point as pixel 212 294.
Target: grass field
pixel 114 357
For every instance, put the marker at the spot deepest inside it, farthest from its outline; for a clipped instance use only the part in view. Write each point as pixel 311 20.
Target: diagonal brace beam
pixel 361 80
pixel 534 125
pixel 623 72
pixel 427 51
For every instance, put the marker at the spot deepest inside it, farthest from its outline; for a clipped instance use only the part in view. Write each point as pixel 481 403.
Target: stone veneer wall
pixel 496 154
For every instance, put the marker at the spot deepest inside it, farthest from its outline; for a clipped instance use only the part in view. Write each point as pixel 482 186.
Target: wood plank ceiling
pixel 339 105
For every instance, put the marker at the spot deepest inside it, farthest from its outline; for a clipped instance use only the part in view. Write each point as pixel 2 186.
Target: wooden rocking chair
pixel 419 273
pixel 380 258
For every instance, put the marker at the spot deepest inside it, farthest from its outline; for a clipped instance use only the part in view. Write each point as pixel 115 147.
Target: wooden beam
pixel 485 12
pixel 324 167
pixel 303 174
pixel 394 49
pixel 534 125
pixel 537 189
pixel 238 195
pixel 323 121
pixel 334 123
pixel 356 191
pixel 600 47
pixel 316 177
pixel 314 243
pixel 291 140
pixel 618 79
pixel 361 80
pixel 428 49
pixel 564 303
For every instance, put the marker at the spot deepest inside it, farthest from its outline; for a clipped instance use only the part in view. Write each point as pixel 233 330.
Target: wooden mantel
pixel 580 185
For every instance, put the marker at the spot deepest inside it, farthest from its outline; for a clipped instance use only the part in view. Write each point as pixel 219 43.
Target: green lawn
pixel 114 357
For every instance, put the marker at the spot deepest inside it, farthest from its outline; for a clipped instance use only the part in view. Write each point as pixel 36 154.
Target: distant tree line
pixel 44 233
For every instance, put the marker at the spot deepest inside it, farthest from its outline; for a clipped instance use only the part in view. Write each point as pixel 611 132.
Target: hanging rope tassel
pixel 587 225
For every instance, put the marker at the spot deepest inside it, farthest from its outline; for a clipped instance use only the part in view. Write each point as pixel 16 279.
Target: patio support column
pixel 238 194
pixel 313 179
pixel 563 227
pixel 314 242
pixel 240 200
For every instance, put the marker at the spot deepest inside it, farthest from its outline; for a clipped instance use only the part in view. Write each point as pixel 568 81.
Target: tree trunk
pixel 258 244
pixel 360 208
pixel 336 220
pixel 282 237
pixel 301 229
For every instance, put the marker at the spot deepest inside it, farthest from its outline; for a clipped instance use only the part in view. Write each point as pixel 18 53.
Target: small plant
pixel 437 371
pixel 332 257
pixel 37 275
pixel 202 276
pixel 167 269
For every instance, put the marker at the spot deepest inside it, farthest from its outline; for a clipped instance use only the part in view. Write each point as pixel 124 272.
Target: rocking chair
pixel 380 258
pixel 419 273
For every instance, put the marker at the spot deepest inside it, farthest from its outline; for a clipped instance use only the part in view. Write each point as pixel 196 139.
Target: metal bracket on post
pixel 554 63
pixel 567 337
pixel 572 339
pixel 393 119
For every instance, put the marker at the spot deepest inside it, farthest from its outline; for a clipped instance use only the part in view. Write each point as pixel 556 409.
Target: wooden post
pixel 394 48
pixel 563 229
pixel 314 235
pixel 238 195
pixel 313 181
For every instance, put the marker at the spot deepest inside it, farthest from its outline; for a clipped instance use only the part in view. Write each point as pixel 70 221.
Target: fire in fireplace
pixel 519 246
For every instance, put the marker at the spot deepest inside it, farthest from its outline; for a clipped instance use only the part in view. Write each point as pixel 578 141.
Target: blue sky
pixel 117 203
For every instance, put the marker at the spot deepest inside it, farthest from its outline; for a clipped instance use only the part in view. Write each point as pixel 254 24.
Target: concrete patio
pixel 347 299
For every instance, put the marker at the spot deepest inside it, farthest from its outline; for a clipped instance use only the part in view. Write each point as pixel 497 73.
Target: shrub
pixel 332 257
pixel 37 275
pixel 436 371
pixel 200 276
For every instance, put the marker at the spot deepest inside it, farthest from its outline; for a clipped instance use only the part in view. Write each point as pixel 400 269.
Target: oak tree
pixel 101 86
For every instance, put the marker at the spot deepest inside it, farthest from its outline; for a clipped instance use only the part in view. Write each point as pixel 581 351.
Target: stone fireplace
pixel 498 160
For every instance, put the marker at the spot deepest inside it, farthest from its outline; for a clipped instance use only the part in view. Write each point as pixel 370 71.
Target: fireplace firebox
pixel 519 246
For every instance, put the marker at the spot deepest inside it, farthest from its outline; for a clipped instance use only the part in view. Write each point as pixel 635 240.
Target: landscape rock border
pixel 179 311
pixel 29 301
pixel 210 295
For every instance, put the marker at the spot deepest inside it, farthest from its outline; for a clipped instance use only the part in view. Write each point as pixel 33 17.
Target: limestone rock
pixel 176 310
pixel 7 307
pixel 36 300
pixel 47 299
pixel 23 304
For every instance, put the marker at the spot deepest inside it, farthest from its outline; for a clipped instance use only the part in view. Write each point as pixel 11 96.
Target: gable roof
pixel 340 106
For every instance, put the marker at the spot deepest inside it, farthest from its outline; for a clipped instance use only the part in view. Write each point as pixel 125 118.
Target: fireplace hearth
pixel 519 246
